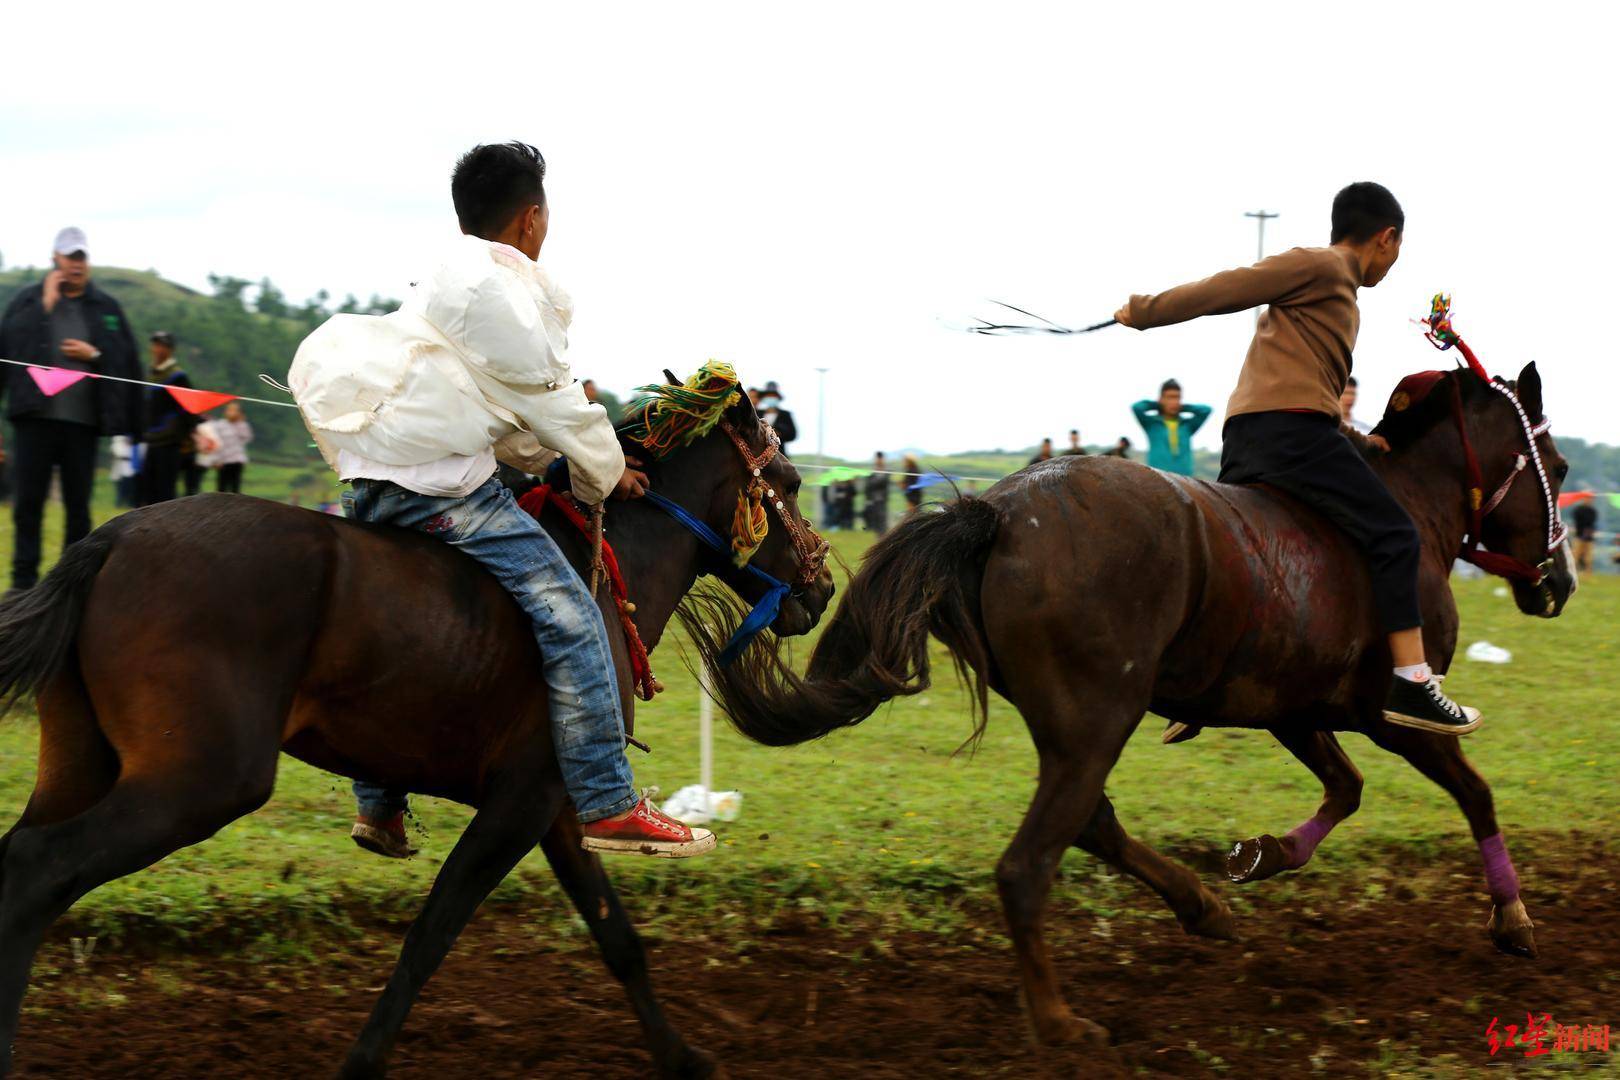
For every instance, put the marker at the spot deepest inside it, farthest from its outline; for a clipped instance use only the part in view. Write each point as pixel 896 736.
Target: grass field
pixel 853 827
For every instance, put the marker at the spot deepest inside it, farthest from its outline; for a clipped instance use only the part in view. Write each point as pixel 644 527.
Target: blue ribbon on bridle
pixel 765 611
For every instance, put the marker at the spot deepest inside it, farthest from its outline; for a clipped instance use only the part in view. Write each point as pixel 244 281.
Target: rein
pixel 811 548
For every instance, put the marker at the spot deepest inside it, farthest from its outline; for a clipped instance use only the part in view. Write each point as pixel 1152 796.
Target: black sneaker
pixel 1423 705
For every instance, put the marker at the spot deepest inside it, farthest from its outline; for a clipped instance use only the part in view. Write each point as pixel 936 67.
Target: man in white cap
pixel 68 324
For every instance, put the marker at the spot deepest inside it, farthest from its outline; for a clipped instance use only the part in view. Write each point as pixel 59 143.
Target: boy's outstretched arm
pixel 1266 282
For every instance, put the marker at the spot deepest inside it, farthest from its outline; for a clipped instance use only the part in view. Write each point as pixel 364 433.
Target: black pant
pixel 40 447
pixel 160 471
pixel 229 478
pixel 1306 456
pixel 192 472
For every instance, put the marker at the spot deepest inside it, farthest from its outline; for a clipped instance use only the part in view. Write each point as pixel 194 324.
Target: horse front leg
pixel 1198 909
pixel 508 824
pixel 582 877
pixel 1440 758
pixel 1266 856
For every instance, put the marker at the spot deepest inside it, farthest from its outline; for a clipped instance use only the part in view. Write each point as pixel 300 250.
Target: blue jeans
pixel 587 725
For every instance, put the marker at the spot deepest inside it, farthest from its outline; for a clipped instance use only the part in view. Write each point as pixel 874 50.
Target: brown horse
pixel 1089 590
pixel 370 652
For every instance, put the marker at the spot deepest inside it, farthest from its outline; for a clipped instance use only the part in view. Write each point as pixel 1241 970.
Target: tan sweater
pixel 1300 355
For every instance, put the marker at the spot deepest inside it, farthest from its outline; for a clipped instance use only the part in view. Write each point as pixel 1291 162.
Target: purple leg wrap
pixel 1305 838
pixel 1499 874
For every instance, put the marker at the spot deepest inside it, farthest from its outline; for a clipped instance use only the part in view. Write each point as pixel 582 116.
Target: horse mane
pixel 667 416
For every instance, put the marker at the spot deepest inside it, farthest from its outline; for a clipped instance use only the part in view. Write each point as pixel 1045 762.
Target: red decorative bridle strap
pixel 811 548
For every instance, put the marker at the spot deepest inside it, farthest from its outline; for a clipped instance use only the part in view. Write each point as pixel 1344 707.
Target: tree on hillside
pixel 270 301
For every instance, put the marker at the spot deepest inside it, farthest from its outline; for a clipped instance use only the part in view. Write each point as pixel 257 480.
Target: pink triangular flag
pixel 52 381
pixel 198 401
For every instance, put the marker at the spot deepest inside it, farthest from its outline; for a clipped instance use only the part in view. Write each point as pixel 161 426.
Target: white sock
pixel 1414 672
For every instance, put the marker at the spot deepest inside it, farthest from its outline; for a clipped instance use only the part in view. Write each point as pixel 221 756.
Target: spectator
pixel 769 404
pixel 1075 449
pixel 844 492
pixel 877 496
pixel 121 471
pixel 1170 427
pixel 1347 403
pixel 233 433
pixel 1586 520
pixel 195 453
pixel 1043 454
pixel 913 470
pixel 1121 449
pixel 589 386
pixel 168 427
pixel 63 322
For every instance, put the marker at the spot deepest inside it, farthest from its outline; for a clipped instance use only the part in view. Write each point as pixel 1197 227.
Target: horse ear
pixel 743 412
pixel 669 377
pixel 1530 391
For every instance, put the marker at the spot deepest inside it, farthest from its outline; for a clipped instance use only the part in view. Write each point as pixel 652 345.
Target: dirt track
pixel 1318 983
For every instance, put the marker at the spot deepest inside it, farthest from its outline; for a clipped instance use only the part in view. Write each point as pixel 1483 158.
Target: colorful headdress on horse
pixel 1442 335
pixel 666 416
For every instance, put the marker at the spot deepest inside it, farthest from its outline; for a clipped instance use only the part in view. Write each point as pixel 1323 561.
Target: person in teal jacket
pixel 1170 426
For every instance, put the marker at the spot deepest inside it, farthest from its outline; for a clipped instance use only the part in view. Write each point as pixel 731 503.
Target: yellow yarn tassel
pixel 749 525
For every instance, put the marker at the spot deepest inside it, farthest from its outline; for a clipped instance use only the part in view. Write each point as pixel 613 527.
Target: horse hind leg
pixel 47 868
pixel 511 820
pixel 581 875
pixel 1441 759
pixel 1266 856
pixel 1198 909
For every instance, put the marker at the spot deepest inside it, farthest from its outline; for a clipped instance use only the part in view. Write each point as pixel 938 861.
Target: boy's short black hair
pixel 1350 382
pixel 1363 210
pixel 1169 384
pixel 493 182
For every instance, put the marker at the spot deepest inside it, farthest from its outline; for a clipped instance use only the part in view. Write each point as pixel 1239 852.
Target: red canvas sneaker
pixel 386 837
pixel 646 830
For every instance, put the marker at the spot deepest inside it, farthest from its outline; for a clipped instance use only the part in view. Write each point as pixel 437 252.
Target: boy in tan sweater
pixel 1284 426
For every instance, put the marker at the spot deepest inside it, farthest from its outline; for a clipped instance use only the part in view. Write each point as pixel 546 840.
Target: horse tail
pixel 921 579
pixel 38 626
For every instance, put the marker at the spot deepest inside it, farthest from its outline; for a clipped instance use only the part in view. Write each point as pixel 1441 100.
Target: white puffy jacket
pixel 473 360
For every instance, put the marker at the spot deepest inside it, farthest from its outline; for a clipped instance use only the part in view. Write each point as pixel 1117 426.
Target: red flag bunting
pixel 198 401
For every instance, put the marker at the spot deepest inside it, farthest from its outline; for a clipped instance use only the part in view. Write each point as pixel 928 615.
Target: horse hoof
pixel 1256 859
pixel 1072 1031
pixel 360 1068
pixel 1512 931
pixel 694 1064
pixel 1214 921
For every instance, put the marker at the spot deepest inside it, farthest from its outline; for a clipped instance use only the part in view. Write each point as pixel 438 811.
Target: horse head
pixel 731 476
pixel 1512 473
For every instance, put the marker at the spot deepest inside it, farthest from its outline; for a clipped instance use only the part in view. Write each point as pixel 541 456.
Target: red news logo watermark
pixel 1536 1035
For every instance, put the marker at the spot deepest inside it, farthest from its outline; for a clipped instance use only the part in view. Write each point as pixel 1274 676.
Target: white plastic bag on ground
pixel 695 806
pixel 1486 653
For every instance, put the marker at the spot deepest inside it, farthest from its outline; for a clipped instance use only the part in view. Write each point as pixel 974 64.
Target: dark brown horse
pixel 370 652
pixel 1089 590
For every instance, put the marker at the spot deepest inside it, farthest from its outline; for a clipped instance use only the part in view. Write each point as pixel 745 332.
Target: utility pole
pixel 821 415
pixel 821 434
pixel 1261 217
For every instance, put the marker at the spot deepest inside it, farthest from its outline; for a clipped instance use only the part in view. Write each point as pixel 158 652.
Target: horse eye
pixel 1562 471
pixel 793 488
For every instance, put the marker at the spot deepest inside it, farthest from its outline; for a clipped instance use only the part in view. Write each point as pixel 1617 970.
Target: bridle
pixel 811 548
pixel 1441 334
pixel 1479 508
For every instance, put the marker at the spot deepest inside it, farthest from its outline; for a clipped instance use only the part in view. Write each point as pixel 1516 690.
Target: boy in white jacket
pixel 414 408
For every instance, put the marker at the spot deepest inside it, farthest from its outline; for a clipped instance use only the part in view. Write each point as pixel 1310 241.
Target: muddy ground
pixel 1335 979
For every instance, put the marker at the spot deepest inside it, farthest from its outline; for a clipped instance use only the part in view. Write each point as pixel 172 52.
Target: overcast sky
pixel 788 188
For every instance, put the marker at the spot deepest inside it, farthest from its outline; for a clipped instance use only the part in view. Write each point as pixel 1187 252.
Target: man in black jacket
pixel 167 427
pixel 63 322
pixel 769 404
